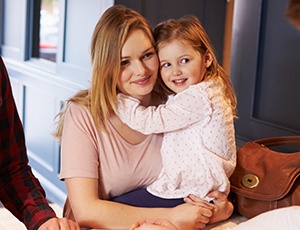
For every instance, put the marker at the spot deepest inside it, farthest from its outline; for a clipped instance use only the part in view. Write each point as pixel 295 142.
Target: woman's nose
pixel 140 69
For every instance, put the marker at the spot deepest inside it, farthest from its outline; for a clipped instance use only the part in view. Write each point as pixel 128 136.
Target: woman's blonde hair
pixel 188 29
pixel 107 41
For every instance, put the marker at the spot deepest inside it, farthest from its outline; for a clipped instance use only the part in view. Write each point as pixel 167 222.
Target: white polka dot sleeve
pixel 185 108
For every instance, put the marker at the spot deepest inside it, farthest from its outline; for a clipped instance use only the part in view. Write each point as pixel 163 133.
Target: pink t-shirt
pixel 88 152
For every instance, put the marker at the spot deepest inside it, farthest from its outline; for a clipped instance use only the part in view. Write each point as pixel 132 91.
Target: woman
pixel 103 158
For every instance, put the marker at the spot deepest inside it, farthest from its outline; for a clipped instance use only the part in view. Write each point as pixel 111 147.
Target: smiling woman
pixel 102 158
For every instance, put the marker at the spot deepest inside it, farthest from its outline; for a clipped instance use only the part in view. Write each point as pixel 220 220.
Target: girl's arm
pixel 185 108
pixel 90 211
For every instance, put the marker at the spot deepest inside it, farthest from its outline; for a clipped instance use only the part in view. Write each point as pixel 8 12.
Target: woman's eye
pixel 185 60
pixel 148 55
pixel 125 62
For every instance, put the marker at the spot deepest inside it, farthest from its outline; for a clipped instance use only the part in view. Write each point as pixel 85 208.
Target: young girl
pixel 198 150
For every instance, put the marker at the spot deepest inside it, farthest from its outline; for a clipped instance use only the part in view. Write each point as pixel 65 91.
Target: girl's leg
pixel 142 198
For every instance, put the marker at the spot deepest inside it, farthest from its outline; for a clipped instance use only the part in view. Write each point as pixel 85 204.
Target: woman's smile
pixel 142 82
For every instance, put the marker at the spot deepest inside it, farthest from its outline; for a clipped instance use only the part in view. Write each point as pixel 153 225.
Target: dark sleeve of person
pixel 20 191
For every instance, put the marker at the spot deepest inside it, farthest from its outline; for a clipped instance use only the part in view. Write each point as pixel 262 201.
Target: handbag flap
pixel 264 174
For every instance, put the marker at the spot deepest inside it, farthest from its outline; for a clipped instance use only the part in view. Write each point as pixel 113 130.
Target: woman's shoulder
pixel 76 108
pixel 78 113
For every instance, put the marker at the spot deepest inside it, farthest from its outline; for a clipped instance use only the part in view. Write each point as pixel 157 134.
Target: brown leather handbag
pixel 265 179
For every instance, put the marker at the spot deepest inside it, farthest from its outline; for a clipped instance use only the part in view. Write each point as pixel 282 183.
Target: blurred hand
pixel 59 224
pixel 153 224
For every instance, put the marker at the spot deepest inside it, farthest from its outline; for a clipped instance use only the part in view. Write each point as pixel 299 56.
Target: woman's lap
pixel 142 198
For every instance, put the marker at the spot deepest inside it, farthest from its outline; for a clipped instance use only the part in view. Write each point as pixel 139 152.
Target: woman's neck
pixel 146 100
pixel 151 99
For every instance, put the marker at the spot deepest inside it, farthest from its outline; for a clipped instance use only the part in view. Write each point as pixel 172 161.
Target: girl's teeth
pixel 179 81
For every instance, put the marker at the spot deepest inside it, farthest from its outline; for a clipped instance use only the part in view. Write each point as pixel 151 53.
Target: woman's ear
pixel 208 59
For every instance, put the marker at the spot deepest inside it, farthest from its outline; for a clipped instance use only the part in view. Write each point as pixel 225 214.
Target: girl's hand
pixel 195 200
pixel 154 224
pixel 221 207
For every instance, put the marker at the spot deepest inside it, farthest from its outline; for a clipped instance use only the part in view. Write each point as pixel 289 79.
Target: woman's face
pixel 139 66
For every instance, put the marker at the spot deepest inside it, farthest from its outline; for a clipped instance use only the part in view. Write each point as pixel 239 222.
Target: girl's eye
pixel 166 65
pixel 185 60
pixel 125 62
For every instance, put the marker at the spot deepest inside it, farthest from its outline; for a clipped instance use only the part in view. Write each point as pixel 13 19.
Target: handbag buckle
pixel 250 180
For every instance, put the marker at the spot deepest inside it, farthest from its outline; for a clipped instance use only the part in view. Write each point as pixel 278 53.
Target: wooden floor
pixel 9 222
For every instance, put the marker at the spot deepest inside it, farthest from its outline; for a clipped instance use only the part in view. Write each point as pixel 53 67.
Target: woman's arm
pixel 90 211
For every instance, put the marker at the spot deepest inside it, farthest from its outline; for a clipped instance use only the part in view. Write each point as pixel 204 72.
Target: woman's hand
pixel 154 224
pixel 221 207
pixel 188 216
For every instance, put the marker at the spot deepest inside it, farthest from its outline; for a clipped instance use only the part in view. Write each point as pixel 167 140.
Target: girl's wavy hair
pixel 107 41
pixel 189 30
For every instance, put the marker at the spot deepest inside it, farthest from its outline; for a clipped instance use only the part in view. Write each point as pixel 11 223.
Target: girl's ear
pixel 208 59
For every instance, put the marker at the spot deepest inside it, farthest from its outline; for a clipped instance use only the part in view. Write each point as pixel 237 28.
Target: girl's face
pixel 139 66
pixel 181 65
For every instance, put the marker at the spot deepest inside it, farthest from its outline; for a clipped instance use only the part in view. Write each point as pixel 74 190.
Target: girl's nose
pixel 176 71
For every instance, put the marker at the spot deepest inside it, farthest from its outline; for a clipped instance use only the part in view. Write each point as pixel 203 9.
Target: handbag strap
pixel 281 140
